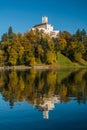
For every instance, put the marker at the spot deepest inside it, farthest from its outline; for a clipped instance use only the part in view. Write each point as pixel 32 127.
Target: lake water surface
pixel 43 100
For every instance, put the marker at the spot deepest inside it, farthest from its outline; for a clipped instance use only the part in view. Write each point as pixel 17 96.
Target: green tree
pixel 50 57
pixel 1 58
pixel 4 37
pixel 12 60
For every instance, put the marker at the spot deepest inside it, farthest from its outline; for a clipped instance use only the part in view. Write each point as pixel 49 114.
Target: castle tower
pixel 44 19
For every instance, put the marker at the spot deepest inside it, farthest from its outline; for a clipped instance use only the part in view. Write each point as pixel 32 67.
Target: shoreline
pixel 43 66
pixel 22 67
pixel 14 67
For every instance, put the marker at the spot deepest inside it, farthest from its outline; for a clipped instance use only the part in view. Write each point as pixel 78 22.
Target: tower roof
pixel 37 25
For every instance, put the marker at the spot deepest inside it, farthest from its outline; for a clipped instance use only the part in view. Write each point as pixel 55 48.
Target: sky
pixel 22 15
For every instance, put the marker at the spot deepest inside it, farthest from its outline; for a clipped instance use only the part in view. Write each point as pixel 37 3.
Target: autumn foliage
pixel 36 47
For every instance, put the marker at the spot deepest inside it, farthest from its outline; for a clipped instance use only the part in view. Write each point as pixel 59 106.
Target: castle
pixel 47 28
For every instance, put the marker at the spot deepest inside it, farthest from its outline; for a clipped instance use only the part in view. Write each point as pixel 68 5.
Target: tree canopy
pixel 36 47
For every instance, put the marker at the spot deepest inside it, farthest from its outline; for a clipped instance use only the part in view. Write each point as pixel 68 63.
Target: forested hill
pixel 36 47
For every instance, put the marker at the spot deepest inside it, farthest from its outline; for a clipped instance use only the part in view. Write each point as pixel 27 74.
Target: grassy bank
pixel 62 62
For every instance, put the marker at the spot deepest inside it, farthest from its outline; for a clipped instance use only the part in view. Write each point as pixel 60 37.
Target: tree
pixel 29 58
pixel 84 37
pixel 12 60
pixel 4 37
pixel 78 36
pixel 50 57
pixel 1 57
pixel 39 54
pixel 10 32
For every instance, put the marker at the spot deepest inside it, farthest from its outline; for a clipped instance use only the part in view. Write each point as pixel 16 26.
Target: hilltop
pixel 35 47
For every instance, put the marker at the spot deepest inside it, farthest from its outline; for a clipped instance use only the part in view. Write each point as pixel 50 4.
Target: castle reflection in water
pixel 47 105
pixel 43 89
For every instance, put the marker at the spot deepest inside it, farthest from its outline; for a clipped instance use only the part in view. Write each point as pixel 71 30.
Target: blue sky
pixel 66 15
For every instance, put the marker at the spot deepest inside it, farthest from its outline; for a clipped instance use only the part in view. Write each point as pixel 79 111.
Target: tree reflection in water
pixel 44 88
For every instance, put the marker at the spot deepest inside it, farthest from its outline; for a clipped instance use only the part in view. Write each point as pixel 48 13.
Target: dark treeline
pixel 36 47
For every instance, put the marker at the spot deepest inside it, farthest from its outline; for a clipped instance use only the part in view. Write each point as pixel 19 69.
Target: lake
pixel 43 99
